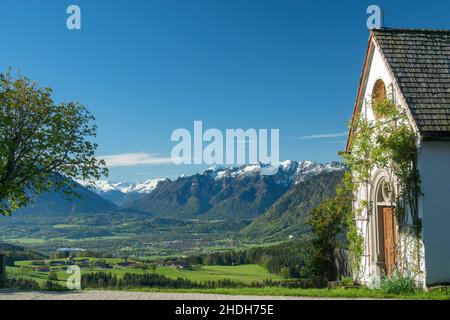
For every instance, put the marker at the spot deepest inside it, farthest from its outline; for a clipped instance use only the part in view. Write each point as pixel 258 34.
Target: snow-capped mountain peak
pixel 289 171
pixel 143 187
pixel 103 186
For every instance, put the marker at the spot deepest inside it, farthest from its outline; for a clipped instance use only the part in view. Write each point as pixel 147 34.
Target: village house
pixel 82 263
pixel 70 260
pixel 41 268
pixel 129 264
pixel 411 68
pixel 38 263
pixel 57 263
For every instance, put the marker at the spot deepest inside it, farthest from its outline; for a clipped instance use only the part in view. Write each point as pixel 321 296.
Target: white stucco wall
pixel 434 167
pixel 370 273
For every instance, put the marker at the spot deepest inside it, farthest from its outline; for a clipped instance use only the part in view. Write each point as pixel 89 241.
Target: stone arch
pixel 383 227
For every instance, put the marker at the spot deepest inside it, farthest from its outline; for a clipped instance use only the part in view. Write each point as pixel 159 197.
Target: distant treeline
pixel 29 284
pixel 288 259
pixel 17 253
pixel 62 254
pixel 105 280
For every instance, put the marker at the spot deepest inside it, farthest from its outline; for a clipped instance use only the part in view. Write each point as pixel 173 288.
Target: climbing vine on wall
pixel 388 144
pixel 354 238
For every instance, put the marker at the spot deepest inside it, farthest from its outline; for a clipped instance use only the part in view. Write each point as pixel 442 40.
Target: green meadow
pixel 243 273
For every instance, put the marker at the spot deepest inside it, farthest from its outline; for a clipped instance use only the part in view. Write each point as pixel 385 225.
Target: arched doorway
pixel 385 227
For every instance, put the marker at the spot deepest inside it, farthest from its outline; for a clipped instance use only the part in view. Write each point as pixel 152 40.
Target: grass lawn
pixel 107 260
pixel 244 273
pixel 363 293
pixel 39 277
pixel 26 241
pixel 235 273
pixel 162 255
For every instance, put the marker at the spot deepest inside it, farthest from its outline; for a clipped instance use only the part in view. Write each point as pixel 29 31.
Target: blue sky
pixel 145 68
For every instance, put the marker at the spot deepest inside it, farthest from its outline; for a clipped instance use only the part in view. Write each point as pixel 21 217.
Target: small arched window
pixel 385 193
pixel 378 93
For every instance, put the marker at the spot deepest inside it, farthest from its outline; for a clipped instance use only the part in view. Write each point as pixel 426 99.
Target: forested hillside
pixel 288 215
pixel 287 259
pixel 18 253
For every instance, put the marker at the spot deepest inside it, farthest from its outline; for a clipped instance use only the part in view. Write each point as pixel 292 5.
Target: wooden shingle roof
pixel 420 62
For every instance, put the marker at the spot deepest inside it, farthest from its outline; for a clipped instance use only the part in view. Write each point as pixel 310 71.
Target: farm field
pixel 243 273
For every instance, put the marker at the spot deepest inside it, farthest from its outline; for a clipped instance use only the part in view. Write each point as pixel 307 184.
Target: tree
pixel 327 221
pixel 43 146
pixel 153 267
pixel 53 276
pixel 145 267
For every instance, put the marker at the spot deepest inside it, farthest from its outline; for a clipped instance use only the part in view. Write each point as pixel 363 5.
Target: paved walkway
pixel 9 294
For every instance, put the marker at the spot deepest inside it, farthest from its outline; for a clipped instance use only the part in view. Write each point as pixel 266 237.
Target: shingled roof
pixel 420 62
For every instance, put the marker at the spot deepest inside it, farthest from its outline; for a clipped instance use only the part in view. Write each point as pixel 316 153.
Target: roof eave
pixel 436 135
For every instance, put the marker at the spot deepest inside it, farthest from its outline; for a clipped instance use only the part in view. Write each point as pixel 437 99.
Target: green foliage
pixel 314 292
pixel 395 150
pixel 388 144
pixel 327 221
pixel 153 267
pixel 287 259
pixel 355 242
pixel 53 276
pixel 385 109
pixel 289 214
pixel 398 284
pixel 19 283
pixel 43 145
pixel 17 253
pixel 325 225
pixel 53 286
pixel 347 281
pixel 147 280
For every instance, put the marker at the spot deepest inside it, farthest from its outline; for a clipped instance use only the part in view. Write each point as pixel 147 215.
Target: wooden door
pixel 390 238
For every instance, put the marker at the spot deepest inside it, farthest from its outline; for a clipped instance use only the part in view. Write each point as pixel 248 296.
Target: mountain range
pixel 227 192
pixel 238 199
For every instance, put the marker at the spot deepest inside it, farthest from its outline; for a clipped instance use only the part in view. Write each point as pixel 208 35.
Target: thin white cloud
pixel 134 159
pixel 323 136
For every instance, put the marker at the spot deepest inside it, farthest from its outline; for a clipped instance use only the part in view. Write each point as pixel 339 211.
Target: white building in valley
pixel 412 69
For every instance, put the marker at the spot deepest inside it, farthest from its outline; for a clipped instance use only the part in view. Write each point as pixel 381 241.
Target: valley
pixel 221 208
